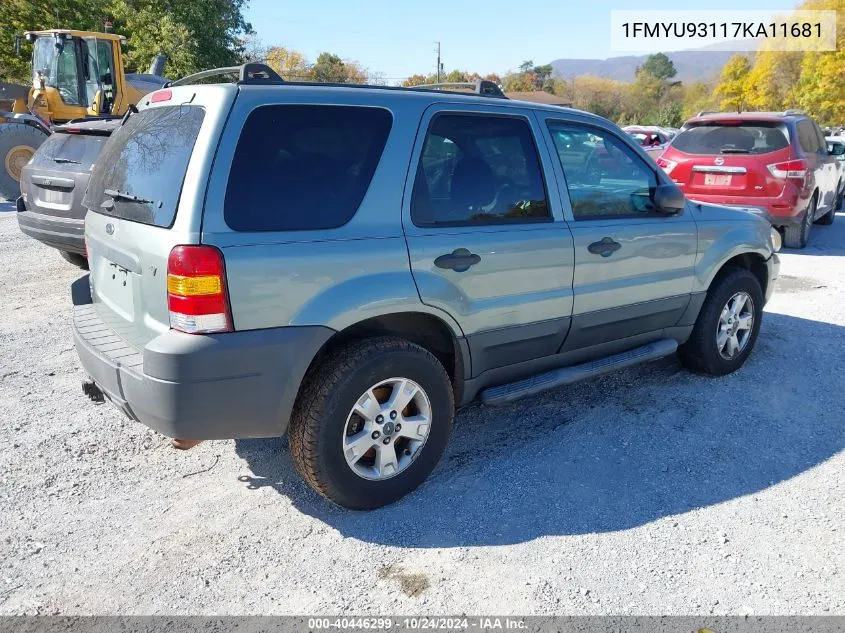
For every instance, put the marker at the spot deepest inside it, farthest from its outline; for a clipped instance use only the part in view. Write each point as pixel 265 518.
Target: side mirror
pixel 669 200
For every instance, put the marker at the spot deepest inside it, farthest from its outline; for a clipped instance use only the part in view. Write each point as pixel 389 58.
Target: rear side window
pixel 303 167
pixel 808 138
pixel 716 138
pixel 69 149
pixel 140 174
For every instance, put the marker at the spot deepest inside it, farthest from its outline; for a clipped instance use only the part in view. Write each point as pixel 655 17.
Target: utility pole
pixel 438 62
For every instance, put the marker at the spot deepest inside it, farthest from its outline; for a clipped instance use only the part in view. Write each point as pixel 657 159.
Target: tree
pixel 772 83
pixel 290 64
pixel 699 96
pixel 733 83
pixel 415 80
pixel 658 66
pixel 195 35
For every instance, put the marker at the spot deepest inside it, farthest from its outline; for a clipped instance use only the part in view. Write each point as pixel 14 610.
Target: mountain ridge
pixel 692 65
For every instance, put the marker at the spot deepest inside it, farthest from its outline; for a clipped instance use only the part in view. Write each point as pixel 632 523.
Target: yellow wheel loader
pixel 75 75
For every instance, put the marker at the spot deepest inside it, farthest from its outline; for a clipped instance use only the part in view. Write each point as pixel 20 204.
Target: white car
pixel 836 147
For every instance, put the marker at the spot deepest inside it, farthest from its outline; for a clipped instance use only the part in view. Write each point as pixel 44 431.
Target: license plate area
pixel 717 180
pixel 113 286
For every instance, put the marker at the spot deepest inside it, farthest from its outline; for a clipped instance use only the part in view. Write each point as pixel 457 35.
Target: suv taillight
pixel 666 165
pixel 795 169
pixel 196 290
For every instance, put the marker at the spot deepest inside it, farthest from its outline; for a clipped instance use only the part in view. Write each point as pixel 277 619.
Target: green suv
pixel 350 264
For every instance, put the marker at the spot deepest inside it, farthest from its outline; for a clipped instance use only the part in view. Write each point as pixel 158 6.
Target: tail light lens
pixel 196 290
pixel 666 165
pixel 794 169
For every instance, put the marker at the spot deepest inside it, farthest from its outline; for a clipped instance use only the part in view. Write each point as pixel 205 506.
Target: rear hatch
pixel 54 181
pixel 145 196
pixel 728 157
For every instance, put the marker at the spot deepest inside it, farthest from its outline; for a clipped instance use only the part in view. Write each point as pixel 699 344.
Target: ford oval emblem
pixel 719 161
pixel 110 228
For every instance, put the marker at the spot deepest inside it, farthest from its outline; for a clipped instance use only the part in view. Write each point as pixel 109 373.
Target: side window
pixel 807 136
pixel 822 144
pixel 478 169
pixel 604 177
pixel 303 167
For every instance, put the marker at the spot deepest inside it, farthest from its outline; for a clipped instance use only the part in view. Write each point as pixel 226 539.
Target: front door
pixel 486 236
pixel 633 265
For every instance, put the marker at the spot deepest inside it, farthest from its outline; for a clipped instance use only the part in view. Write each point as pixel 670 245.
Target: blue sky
pixel 397 37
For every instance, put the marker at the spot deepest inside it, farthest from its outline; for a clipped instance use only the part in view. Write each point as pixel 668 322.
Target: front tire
pixel 371 422
pixel 727 326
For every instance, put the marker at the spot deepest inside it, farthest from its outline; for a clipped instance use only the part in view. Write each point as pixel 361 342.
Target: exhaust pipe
pixel 157 67
pixel 183 445
pixel 90 389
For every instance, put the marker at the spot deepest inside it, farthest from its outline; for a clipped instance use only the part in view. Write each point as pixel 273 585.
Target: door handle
pixel 605 247
pixel 458 260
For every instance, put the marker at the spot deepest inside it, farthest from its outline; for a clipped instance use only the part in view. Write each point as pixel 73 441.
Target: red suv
pixel 773 164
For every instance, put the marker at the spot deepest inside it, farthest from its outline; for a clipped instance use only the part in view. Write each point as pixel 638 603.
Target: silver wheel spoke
pixel 733 344
pixel 744 322
pixel 402 395
pixel 414 427
pixel 368 406
pixel 722 339
pixel 355 449
pixel 386 463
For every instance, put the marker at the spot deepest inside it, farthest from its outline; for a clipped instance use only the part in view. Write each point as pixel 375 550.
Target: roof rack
pixel 249 74
pixel 792 111
pixel 482 87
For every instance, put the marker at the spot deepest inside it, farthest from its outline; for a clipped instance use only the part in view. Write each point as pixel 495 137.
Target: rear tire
pixel 703 352
pixel 798 236
pixel 18 143
pixel 75 258
pixel 324 422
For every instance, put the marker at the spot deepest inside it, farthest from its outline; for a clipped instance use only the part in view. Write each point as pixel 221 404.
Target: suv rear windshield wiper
pixel 129 197
pixel 734 150
pixel 66 160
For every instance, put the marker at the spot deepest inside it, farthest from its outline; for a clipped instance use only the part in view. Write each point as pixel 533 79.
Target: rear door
pixel 729 158
pixel 485 232
pixel 145 197
pixel 633 265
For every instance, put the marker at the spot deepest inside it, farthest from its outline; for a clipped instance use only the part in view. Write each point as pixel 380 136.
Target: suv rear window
pixel 303 167
pixel 147 157
pixel 757 137
pixel 62 149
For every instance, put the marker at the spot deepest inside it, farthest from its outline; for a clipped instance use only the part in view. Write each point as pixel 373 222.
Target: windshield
pixel 57 68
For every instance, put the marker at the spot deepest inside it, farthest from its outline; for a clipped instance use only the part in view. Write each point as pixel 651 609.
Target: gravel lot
pixel 648 491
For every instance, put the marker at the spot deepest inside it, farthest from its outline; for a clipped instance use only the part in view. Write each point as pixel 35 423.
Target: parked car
pixel 651 138
pixel 53 183
pixel 836 148
pixel 349 264
pixel 774 164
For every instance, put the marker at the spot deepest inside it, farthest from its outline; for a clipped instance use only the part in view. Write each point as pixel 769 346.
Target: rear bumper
pixel 782 211
pixel 65 234
pixel 224 386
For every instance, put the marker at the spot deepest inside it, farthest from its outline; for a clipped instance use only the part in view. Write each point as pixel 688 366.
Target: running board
pixel 504 394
